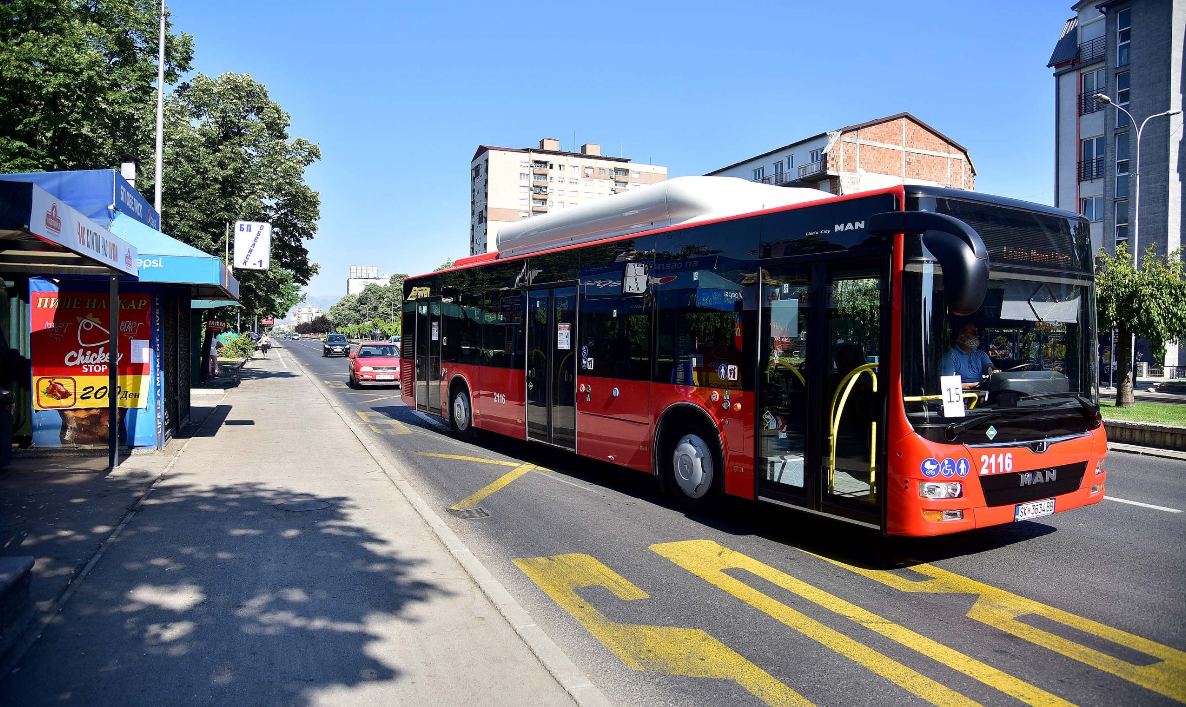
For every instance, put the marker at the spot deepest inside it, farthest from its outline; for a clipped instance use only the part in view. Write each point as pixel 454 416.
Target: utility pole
pixel 160 113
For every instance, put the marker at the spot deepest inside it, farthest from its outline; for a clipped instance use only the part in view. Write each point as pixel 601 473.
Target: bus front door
pixel 428 356
pixel 821 411
pixel 551 366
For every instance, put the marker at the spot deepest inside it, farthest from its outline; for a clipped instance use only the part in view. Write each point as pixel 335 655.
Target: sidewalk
pixel 276 564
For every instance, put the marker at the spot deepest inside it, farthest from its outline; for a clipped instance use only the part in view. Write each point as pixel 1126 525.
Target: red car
pixel 374 363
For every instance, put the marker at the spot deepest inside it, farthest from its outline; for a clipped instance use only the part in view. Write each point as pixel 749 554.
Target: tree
pixel 445 265
pixel 228 156
pixel 1149 302
pixel 346 312
pixel 320 325
pixel 78 81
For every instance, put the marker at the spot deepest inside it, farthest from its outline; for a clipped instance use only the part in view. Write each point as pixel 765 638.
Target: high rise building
pixel 304 315
pixel 898 149
pixel 508 184
pixel 1130 51
pixel 363 275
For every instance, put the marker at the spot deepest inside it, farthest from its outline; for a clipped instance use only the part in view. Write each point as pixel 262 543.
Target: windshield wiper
pixel 1084 404
pixel 971 421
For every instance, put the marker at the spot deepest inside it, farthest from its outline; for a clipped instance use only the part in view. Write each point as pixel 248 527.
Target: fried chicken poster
pixel 70 350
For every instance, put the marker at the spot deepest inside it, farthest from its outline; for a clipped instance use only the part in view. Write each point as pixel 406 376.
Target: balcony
pixel 539 208
pixel 1088 104
pixel 1092 50
pixel 1091 169
pixel 777 179
pixel 539 170
pixel 814 170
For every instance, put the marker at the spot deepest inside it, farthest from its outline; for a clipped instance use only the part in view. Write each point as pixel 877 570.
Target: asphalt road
pixel 763 605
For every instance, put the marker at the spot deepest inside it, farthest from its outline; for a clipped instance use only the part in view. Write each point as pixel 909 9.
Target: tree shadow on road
pixel 240 593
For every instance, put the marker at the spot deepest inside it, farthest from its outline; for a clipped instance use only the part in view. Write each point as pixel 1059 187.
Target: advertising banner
pixel 70 356
pixel 53 220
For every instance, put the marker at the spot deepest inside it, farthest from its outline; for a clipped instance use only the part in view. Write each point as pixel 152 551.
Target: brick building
pixel 898 149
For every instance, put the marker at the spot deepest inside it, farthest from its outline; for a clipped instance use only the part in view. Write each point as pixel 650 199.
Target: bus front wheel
pixel 461 416
pixel 693 472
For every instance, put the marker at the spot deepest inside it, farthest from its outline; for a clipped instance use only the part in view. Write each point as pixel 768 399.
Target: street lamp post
pixel 1104 100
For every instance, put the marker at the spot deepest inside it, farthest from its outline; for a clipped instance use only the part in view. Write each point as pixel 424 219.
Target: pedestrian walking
pixel 265 343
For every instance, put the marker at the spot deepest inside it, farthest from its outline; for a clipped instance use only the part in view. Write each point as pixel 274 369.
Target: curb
pixel 555 661
pixel 1146 451
pixel 30 633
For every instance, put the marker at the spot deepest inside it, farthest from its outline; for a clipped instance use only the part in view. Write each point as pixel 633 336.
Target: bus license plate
pixel 1036 509
pixel 382 377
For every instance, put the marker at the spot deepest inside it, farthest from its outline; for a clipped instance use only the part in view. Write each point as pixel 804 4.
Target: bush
pixel 239 347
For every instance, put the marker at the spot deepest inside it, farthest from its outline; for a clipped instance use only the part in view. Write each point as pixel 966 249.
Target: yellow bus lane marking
pixel 999 608
pixel 670 650
pixel 709 560
pixel 334 384
pixel 469 459
pixel 375 419
pixel 480 495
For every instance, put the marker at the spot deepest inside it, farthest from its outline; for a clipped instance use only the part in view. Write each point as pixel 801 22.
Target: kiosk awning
pixel 40 233
pixel 168 260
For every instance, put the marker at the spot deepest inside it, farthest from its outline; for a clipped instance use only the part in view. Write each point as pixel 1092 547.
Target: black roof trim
pixel 1067 47
pixel 534 151
pixel 922 190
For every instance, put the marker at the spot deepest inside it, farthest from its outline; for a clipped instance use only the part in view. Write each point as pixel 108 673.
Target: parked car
pixel 335 345
pixel 395 340
pixel 374 363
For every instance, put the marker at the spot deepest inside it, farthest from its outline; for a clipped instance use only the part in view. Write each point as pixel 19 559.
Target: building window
pixel 1121 216
pixel 588 171
pixel 1123 36
pixel 1122 153
pixel 1091 158
pixel 523 175
pixel 522 214
pixel 790 162
pixel 522 187
pixel 588 195
pixel 778 167
pixel 573 180
pixel 1093 208
pixel 588 182
pixel 601 170
pixel 817 155
pixel 759 173
pixel 1122 94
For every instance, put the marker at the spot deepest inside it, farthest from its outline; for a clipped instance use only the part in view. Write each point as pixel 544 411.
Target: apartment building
pixel 1130 51
pixel 509 184
pixel 304 315
pixel 897 149
pixel 363 275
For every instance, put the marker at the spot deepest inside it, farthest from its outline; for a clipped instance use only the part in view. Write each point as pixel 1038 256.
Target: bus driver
pixel 966 358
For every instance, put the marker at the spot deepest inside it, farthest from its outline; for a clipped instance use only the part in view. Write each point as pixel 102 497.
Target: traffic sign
pixel 253 245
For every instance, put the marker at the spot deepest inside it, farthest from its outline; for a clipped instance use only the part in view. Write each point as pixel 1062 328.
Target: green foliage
pixel 78 81
pixel 445 265
pixel 366 330
pixel 320 325
pixel 238 347
pixel 1156 413
pixel 374 303
pixel 1149 302
pixel 228 156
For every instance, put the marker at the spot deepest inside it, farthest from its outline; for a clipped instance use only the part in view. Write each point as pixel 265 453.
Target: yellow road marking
pixel 334 384
pixel 376 430
pixel 478 496
pixel 469 459
pixel 375 400
pixel 709 560
pixel 1000 609
pixel 374 418
pixel 670 650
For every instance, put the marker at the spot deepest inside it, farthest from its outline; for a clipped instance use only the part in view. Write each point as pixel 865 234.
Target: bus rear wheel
pixel 461 416
pixel 693 472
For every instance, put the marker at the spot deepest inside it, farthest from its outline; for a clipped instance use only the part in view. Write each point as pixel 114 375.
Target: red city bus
pixel 917 360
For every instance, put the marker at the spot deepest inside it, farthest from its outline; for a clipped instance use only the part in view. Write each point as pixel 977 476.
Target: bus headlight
pixel 1099 467
pixel 945 489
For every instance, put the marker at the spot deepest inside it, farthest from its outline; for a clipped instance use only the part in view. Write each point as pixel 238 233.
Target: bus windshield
pixel 1026 360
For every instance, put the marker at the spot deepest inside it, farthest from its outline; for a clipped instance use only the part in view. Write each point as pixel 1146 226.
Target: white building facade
pixel 510 184
pixel 304 315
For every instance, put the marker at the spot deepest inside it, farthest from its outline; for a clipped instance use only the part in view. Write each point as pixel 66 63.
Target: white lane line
pixel 1142 505
pixel 282 360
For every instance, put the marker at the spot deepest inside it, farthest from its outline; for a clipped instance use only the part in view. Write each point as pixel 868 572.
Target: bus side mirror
pixel 956 245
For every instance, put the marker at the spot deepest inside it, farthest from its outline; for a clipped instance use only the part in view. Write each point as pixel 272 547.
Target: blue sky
pixel 400 94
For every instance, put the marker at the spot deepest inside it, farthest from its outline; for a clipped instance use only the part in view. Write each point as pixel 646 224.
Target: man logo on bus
pixel 930 467
pixel 850 226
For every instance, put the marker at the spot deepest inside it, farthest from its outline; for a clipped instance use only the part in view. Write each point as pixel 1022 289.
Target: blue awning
pixel 168 260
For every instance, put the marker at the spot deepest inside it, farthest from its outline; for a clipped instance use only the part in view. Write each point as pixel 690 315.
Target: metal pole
pixel 160 111
pixel 113 371
pixel 226 245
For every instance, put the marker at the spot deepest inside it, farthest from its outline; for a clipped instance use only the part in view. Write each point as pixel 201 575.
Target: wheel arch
pixel 674 414
pixel 456 382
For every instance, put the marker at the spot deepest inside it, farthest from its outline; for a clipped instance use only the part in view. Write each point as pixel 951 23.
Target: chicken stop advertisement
pixel 70 353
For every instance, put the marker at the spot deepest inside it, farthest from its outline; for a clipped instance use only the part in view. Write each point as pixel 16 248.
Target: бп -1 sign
pixel 253 245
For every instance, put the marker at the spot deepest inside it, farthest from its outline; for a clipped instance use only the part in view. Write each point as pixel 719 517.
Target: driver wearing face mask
pixel 966 359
